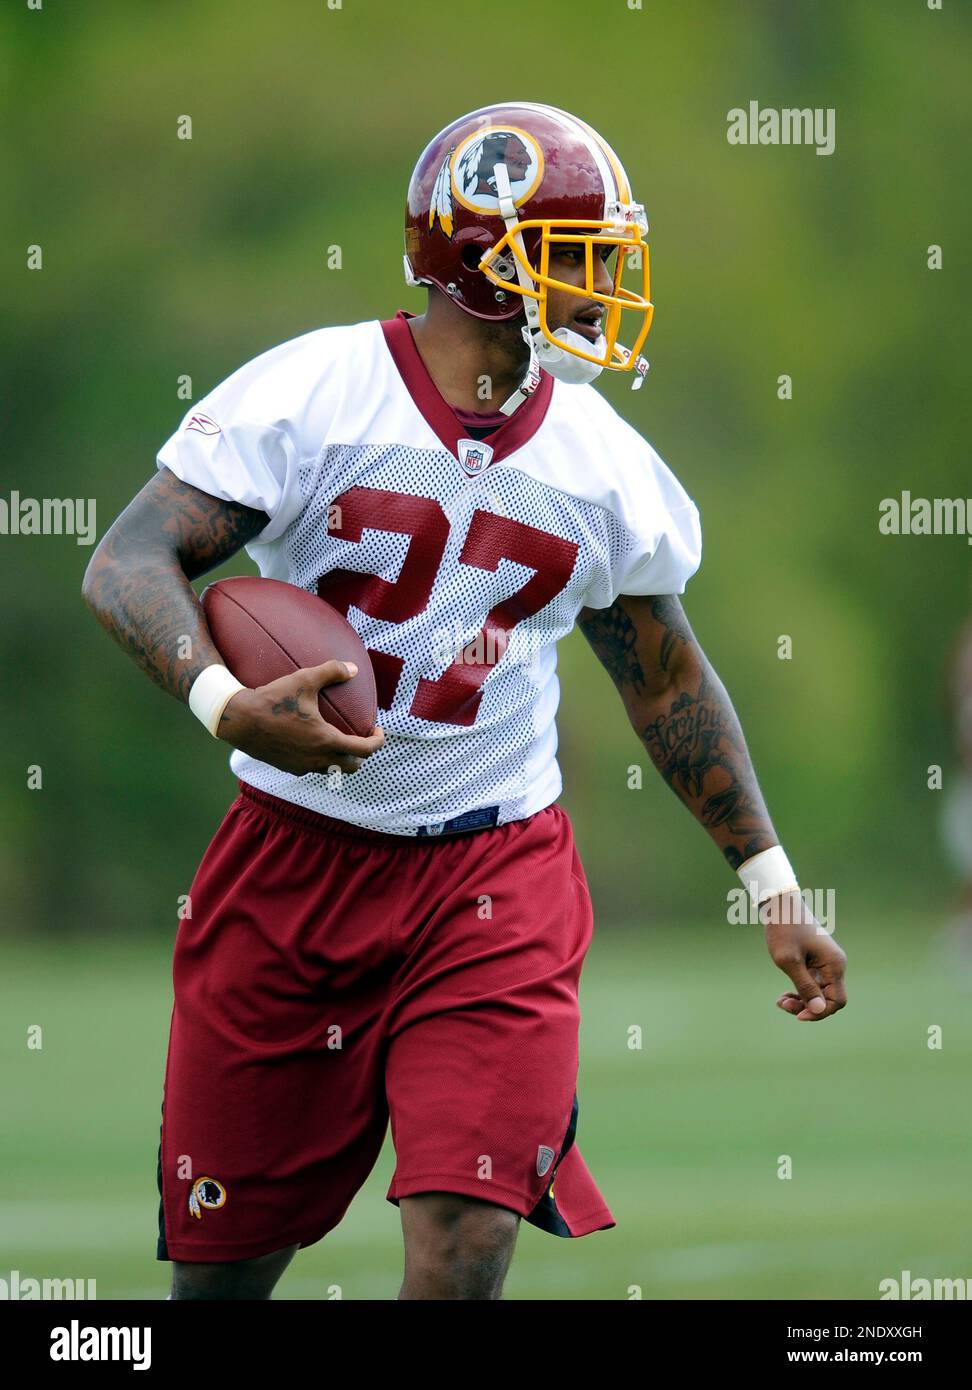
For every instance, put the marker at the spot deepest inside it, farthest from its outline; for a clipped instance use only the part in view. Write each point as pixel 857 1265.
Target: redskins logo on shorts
pixel 208 1193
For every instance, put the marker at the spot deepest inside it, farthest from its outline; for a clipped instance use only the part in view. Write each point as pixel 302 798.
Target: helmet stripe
pixel 617 168
pixel 596 147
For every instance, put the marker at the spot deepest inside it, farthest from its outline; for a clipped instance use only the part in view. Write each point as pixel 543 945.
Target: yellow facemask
pixel 506 265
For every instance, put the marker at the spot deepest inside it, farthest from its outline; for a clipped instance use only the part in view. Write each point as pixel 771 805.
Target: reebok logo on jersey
pixel 203 424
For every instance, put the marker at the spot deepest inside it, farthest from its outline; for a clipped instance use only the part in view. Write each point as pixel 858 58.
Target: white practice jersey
pixel 460 564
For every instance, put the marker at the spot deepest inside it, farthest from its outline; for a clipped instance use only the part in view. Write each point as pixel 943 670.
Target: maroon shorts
pixel 329 978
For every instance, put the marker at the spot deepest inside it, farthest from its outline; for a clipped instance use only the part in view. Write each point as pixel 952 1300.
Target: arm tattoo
pixel 612 635
pixel 137 583
pixel 668 612
pixel 681 712
pixel 699 749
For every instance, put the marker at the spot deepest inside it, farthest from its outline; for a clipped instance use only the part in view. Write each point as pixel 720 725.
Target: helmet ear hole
pixel 471 255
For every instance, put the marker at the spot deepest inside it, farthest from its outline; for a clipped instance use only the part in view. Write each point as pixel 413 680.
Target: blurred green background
pixel 164 257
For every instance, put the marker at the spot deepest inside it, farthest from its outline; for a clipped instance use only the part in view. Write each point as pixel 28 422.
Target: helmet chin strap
pixel 507 207
pixel 561 365
pixel 529 384
pixel 564 366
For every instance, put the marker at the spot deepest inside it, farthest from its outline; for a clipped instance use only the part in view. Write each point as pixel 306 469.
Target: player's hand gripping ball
pixel 269 633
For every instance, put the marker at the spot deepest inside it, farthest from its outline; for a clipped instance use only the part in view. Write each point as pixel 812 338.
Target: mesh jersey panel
pixel 433 769
pixel 341 438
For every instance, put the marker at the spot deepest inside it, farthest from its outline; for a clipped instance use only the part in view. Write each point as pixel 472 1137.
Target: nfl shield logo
pixel 474 456
pixel 545 1157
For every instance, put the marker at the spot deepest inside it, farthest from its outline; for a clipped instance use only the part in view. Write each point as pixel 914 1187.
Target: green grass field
pixel 683 1136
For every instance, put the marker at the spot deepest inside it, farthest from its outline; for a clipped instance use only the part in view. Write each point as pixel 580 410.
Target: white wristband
pixel 211 692
pixel 767 874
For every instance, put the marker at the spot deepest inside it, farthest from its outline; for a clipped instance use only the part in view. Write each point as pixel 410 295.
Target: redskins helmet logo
pixel 208 1193
pixel 467 173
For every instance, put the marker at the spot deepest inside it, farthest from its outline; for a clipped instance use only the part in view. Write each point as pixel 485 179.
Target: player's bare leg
pixel 233 1279
pixel 455 1247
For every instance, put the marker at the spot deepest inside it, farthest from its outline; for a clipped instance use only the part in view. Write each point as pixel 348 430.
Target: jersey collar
pixel 519 427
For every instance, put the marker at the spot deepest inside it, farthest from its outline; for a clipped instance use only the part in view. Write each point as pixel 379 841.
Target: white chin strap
pixel 562 366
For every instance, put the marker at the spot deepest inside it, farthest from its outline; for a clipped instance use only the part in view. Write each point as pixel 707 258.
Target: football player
pixel 393 927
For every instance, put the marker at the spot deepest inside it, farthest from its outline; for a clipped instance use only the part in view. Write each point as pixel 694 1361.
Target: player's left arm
pixel 680 710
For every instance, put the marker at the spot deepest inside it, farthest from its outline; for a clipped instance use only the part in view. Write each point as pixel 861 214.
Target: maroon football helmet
pixel 489 197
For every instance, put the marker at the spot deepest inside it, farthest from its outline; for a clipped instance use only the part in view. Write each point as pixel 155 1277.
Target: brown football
pixel 264 629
